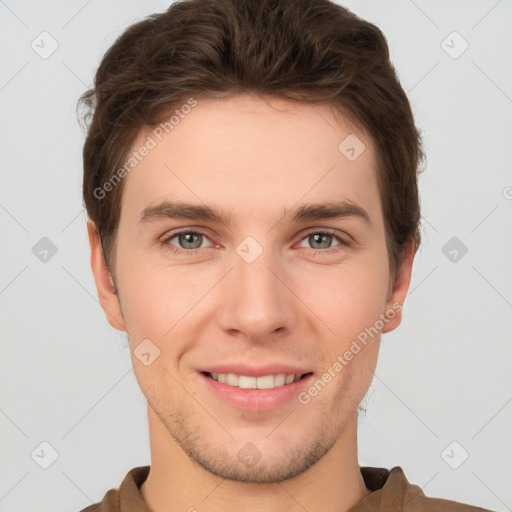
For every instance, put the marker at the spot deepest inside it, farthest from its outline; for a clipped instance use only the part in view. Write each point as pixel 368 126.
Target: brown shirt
pixel 390 492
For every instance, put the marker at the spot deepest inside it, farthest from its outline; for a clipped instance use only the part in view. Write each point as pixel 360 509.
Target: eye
pixel 191 242
pixel 188 242
pixel 320 240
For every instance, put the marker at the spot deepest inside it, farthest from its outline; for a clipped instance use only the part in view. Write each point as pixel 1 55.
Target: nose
pixel 256 301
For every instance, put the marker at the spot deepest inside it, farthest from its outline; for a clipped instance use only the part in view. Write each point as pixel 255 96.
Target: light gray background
pixel 443 376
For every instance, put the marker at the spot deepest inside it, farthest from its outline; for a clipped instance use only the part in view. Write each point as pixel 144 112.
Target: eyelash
pixel 176 250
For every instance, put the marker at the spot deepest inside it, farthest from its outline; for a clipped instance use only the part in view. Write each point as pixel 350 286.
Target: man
pixel 250 176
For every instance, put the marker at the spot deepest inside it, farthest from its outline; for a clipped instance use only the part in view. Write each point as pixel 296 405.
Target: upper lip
pixel 256 371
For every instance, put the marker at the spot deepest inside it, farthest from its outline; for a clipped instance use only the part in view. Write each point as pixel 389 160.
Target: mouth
pixel 258 388
pixel 270 381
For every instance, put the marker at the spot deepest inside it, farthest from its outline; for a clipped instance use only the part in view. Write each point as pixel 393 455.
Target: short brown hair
pixel 305 50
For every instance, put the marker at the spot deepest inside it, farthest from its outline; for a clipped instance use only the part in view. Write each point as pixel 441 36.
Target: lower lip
pixel 256 399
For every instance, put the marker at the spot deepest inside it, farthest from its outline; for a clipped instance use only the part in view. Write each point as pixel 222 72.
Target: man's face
pixel 261 294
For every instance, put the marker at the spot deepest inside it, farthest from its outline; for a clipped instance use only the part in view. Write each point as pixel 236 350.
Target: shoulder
pixel 116 500
pixel 416 500
pixel 109 503
pixel 392 491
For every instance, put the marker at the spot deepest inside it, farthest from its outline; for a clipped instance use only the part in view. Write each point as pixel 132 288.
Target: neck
pixel 333 484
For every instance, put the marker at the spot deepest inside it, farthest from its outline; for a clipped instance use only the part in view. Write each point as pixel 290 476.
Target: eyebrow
pixel 303 213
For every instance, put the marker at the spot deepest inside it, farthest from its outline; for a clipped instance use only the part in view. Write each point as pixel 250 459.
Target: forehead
pixel 252 151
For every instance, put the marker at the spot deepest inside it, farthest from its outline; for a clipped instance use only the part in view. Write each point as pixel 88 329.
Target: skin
pixel 295 303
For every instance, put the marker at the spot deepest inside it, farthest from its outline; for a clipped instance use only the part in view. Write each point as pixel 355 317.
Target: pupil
pixel 318 236
pixel 188 238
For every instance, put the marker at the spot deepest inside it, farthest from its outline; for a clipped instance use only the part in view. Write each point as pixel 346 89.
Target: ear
pixel 396 299
pixel 104 283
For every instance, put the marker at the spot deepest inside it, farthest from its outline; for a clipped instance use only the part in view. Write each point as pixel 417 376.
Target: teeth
pixel 289 378
pixel 232 379
pixel 248 382
pixel 245 382
pixel 279 380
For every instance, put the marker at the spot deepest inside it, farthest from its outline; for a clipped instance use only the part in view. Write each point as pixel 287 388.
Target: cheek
pixel 153 304
pixel 163 303
pixel 152 309
pixel 348 298
pixel 159 300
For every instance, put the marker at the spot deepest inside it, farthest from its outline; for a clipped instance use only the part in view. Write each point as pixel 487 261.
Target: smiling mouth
pixel 251 382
